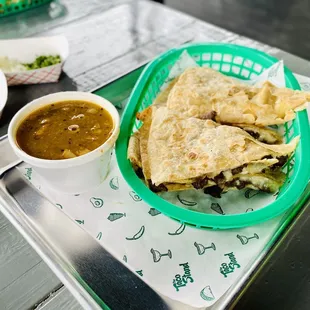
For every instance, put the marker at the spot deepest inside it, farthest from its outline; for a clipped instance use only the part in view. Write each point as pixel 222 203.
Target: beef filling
pixel 139 173
pixel 200 182
pixel 220 179
pixel 281 161
pixel 267 157
pixel 237 170
pixel 157 188
pixel 255 135
pixel 215 191
pixel 237 183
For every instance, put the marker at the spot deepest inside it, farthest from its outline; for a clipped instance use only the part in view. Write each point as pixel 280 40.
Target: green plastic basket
pixel 8 7
pixel 233 60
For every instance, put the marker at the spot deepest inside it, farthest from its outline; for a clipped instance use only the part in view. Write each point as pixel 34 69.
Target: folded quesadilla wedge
pixel 138 155
pixel 204 152
pixel 137 147
pixel 200 91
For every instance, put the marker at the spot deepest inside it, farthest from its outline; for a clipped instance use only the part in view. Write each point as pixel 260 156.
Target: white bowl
pixel 74 175
pixel 3 91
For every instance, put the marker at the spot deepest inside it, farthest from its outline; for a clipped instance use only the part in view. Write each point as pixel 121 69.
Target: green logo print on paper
pixel 207 294
pixel 125 258
pixel 305 86
pixel 181 281
pixel 139 272
pixel 116 216
pixel 59 205
pixel 96 202
pixel 80 221
pixel 134 196
pixel 250 193
pixel 186 202
pixel 154 212
pixel 201 249
pixel 178 231
pixel 114 183
pixel 229 267
pixel 157 255
pixel 137 235
pixel 99 236
pixel 245 240
pixel 28 173
pixel 217 208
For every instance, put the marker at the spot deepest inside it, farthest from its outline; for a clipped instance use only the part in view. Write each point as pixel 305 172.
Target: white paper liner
pixel 26 50
pixel 162 251
pixel 3 92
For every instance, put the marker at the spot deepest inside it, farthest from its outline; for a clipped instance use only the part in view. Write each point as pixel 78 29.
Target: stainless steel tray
pixel 91 273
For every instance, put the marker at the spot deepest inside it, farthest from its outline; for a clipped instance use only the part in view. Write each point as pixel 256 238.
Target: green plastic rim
pixel 288 194
pixel 9 7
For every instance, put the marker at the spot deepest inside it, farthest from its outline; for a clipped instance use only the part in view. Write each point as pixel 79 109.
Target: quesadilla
pixel 202 132
pixel 200 91
pixel 203 153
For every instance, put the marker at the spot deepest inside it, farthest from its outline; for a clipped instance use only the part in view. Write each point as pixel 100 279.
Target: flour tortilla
pixel 201 90
pixel 189 148
pixel 176 151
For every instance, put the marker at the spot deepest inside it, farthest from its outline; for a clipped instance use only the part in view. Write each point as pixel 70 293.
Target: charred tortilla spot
pixel 209 115
pixel 192 155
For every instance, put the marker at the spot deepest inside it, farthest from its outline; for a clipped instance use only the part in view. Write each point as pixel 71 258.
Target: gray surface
pixel 85 266
pixel 281 23
pixel 23 293
pixel 283 282
pixel 104 45
pixel 61 299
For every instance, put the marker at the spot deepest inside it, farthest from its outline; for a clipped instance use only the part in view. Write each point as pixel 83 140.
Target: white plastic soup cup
pixel 74 175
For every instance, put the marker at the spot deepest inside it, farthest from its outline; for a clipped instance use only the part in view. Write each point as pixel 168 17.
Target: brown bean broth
pixel 64 130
